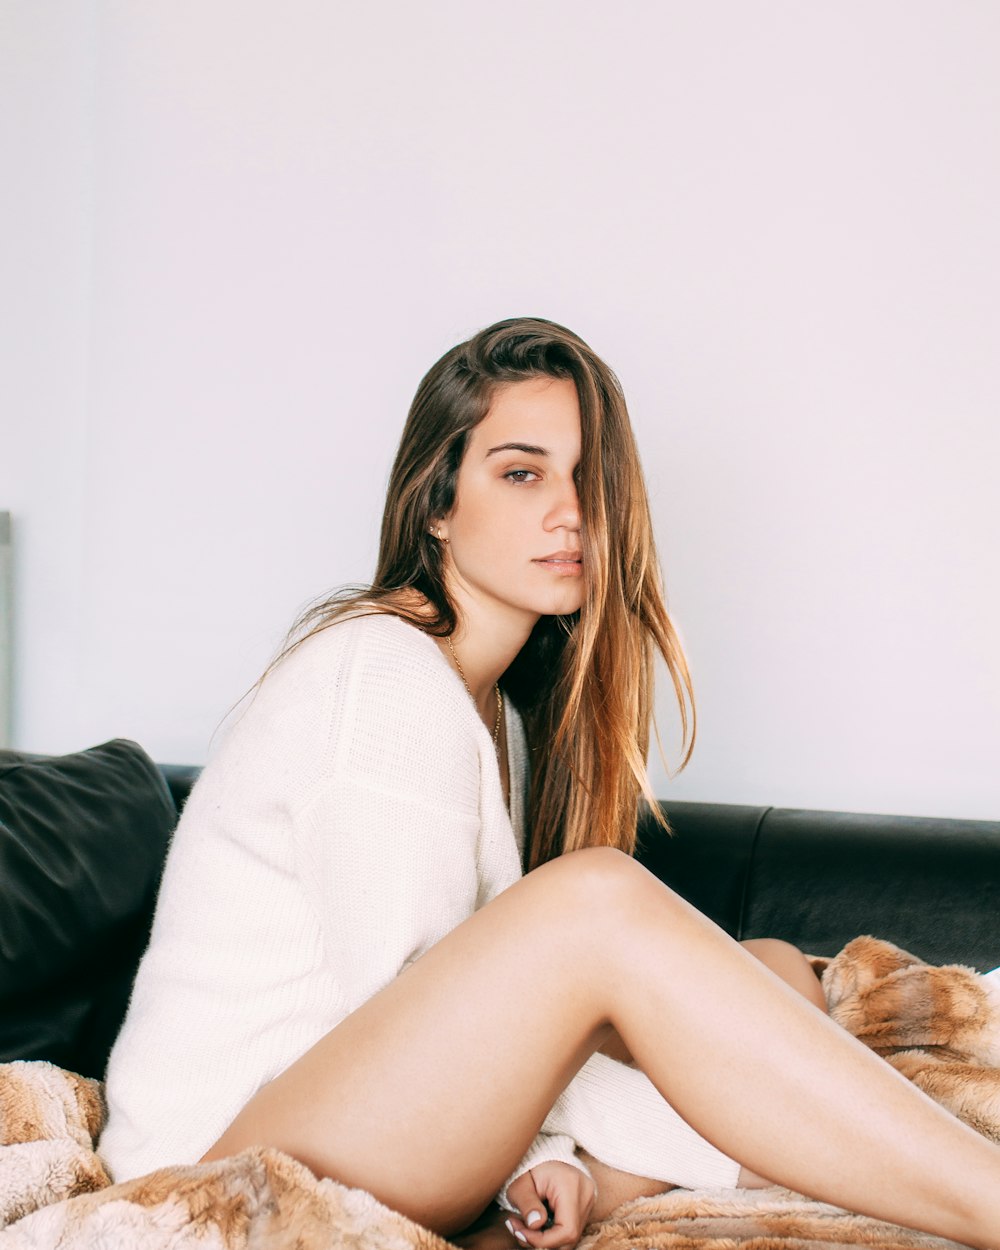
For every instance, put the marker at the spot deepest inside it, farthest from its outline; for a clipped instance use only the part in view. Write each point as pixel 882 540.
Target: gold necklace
pixel 496 688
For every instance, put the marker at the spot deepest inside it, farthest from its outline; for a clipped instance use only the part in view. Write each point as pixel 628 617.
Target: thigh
pixel 784 960
pixel 429 1093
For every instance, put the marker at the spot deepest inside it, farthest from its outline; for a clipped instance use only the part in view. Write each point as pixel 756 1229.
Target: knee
pixel 776 952
pixel 767 949
pixel 600 870
pixel 603 881
pixel 790 964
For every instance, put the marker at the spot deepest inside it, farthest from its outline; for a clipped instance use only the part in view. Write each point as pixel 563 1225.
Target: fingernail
pixel 521 1237
pixel 510 1227
pixel 534 1218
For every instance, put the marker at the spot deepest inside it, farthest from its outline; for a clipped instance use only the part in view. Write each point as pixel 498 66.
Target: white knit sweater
pixel 351 818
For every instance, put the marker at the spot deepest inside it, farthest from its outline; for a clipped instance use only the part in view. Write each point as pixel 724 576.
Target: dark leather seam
pixel 749 868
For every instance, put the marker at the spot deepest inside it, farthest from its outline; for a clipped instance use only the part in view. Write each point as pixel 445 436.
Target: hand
pixel 570 1196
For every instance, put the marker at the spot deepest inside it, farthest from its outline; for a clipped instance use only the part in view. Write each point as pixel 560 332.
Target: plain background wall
pixel 236 234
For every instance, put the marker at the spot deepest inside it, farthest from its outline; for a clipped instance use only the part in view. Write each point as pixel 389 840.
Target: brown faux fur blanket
pixel 939 1026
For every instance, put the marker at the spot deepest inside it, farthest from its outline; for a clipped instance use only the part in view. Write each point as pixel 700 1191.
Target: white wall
pixel 245 230
pixel 46 228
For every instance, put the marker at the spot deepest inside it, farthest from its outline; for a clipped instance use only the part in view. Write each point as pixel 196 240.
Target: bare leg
pixel 429 1093
pixel 788 962
pixel 615 1187
pixel 785 961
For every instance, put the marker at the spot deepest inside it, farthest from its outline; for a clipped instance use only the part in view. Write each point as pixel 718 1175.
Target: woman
pixel 346 962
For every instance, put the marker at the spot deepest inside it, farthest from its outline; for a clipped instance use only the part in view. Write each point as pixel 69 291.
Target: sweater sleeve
pixel 388 878
pixel 546 1148
pixel 389 847
pixel 617 1114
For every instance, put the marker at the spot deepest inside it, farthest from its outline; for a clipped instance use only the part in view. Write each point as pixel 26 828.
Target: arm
pixel 388 875
pixel 390 841
pixel 400 842
pixel 546 1148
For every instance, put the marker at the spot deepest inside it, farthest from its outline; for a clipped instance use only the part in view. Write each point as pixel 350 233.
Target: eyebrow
pixel 526 448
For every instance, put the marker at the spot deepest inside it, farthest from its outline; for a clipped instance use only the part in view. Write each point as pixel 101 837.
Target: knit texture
pixel 352 816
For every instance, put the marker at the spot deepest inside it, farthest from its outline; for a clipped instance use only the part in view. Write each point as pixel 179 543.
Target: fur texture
pixel 746 1219
pixel 257 1199
pixel 939 1026
pixel 49 1121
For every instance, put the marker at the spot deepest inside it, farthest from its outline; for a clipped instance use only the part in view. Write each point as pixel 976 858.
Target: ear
pixel 438 529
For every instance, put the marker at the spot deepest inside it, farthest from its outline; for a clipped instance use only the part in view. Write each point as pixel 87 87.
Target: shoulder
pixel 370 699
pixel 356 672
pixel 378 651
pixel 372 694
pixel 366 648
pixel 404 707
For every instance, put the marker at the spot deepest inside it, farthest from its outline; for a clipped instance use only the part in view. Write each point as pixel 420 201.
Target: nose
pixel 565 510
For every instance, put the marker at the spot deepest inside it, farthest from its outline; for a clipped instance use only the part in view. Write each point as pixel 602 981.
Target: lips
pixel 562 561
pixel 568 557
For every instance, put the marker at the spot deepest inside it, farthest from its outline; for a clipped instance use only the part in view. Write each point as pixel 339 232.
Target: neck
pixel 486 642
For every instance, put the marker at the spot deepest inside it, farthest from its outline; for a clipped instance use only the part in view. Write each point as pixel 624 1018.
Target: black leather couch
pixel 83 836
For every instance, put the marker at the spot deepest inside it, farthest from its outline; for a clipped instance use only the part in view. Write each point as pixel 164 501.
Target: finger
pixel 559 1235
pixel 569 1212
pixel 537 1218
pixel 530 1207
pixel 525 1233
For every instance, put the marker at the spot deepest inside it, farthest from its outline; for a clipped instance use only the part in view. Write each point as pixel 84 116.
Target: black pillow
pixel 82 843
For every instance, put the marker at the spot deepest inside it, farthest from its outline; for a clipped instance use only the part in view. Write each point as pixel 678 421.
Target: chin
pixel 563 607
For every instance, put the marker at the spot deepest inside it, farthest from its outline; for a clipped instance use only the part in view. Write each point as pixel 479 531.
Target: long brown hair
pixel 583 683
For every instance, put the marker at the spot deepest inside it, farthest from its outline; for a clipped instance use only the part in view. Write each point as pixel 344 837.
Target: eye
pixel 518 476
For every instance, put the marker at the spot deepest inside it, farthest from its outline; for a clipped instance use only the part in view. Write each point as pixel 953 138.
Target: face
pixel 514 530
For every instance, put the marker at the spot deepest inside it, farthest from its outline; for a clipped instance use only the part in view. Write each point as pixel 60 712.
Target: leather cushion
pixel 82 843
pixel 707 856
pixel 819 879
